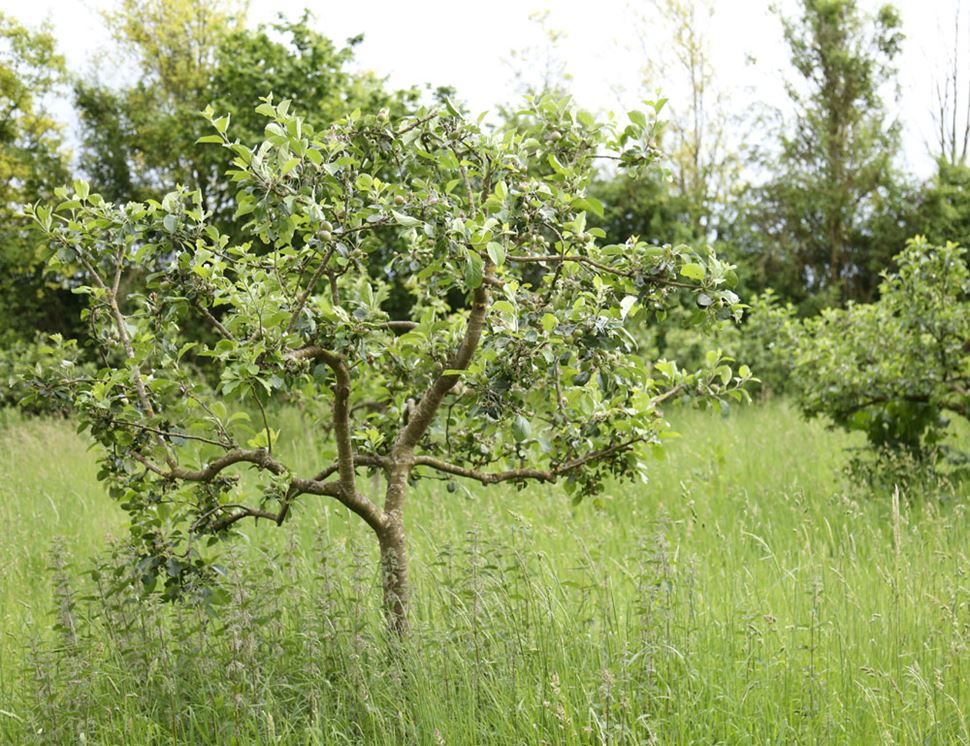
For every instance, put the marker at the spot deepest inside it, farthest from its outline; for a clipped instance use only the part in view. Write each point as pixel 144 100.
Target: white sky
pixel 467 44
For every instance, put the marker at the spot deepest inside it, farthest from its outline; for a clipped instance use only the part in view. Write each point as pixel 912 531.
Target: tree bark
pixel 394 560
pixel 394 579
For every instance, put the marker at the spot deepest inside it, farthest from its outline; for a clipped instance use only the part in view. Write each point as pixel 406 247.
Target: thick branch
pixel 483 476
pixel 260 457
pixel 425 410
pixel 400 326
pixel 341 412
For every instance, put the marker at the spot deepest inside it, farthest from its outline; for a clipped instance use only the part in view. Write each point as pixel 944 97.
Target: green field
pixel 750 593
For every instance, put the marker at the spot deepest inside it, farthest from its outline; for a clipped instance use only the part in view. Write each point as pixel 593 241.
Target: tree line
pixel 819 226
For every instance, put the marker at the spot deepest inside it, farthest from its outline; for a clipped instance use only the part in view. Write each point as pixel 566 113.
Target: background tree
pixel 942 206
pixel 894 368
pixel 951 117
pixel 540 69
pixel 140 136
pixel 31 159
pixel 532 376
pixel 139 139
pixel 815 220
pixel 704 168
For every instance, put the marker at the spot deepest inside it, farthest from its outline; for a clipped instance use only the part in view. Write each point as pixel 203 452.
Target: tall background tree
pixel 697 146
pixel 822 226
pixel 943 205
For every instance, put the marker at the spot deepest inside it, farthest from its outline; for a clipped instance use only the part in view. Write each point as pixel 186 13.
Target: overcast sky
pixel 468 45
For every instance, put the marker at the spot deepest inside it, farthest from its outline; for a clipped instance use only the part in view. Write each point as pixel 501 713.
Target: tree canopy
pixel 514 364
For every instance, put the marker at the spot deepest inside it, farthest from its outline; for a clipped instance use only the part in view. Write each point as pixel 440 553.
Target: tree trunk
pixel 394 578
pixel 394 559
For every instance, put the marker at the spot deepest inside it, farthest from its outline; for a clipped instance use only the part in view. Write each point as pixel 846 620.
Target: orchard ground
pixel 750 593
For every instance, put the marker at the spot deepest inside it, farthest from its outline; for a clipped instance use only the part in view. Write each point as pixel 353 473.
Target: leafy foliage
pixel 943 211
pixel 515 362
pixel 894 368
pixel 24 375
pixel 31 158
pixel 139 140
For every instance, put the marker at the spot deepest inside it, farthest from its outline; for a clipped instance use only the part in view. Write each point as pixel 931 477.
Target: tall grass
pixel 749 593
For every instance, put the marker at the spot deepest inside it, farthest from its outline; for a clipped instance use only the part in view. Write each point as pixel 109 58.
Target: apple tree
pixel 894 368
pixel 513 363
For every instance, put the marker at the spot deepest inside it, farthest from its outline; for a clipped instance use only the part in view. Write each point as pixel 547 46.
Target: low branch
pixel 259 457
pixel 483 476
pixel 514 475
pixel 242 512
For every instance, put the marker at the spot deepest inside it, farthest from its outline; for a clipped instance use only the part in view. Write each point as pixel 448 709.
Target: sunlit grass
pixel 747 594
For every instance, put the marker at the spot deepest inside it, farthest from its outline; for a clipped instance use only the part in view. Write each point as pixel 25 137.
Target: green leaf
pixel 406 220
pixel 549 322
pixel 521 429
pixel 628 302
pixel 452 109
pixel 693 271
pixel 496 252
pixel 262 439
pixel 474 271
pixel 209 138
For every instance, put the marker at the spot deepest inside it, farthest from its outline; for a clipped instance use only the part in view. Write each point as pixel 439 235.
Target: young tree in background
pixel 814 221
pixel 547 59
pixel 704 168
pixel 951 117
pixel 943 204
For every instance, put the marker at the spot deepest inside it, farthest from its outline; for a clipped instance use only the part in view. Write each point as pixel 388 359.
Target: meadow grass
pixel 749 593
